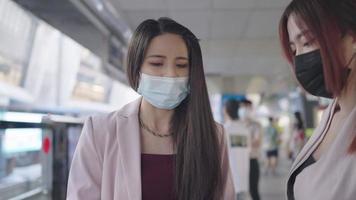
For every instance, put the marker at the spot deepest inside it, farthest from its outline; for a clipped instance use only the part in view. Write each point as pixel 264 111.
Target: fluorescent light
pixel 22 117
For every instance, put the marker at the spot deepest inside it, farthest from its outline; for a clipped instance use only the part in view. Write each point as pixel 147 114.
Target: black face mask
pixel 310 74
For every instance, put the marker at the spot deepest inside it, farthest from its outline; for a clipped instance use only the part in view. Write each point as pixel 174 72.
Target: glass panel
pixel 16 38
pixel 73 138
pixel 116 55
pixel 92 85
pixel 21 161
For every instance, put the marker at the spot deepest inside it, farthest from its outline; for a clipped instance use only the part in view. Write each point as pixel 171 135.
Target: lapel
pixel 128 182
pixel 316 138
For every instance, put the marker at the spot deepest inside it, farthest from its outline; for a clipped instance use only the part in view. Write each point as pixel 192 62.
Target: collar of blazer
pixel 130 109
pixel 315 139
pixel 128 139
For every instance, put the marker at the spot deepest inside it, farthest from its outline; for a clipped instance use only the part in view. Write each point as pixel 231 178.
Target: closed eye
pixel 309 43
pixel 156 64
pixel 182 65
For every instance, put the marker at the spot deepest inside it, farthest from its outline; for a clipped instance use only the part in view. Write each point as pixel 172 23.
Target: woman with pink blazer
pixel 165 145
pixel 319 39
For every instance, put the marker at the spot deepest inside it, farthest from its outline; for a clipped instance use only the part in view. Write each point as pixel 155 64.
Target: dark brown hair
pixel 232 108
pixel 198 174
pixel 328 21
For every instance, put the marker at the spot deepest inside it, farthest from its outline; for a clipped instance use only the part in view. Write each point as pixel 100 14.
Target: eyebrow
pixel 156 56
pixel 160 56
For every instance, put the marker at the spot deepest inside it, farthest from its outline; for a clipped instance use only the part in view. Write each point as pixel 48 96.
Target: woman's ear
pixel 354 41
pixel 353 58
pixel 354 45
pixel 349 47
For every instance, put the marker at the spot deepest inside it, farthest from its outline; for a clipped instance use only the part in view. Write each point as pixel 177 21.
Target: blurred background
pixel 61 61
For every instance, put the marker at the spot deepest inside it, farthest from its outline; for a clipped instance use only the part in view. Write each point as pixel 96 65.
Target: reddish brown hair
pixel 327 21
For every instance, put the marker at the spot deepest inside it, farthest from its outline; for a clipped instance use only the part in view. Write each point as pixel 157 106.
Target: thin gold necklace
pixel 144 126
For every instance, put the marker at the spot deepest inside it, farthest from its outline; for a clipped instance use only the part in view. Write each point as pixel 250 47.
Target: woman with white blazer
pixel 319 39
pixel 164 145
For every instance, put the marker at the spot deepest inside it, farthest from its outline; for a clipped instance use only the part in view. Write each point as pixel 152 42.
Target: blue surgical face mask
pixel 245 113
pixel 242 113
pixel 163 92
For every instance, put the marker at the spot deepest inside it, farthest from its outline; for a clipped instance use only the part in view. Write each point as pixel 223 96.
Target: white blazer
pixel 333 176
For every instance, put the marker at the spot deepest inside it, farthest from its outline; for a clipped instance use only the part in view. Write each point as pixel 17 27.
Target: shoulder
pixel 98 130
pixel 102 122
pixel 220 130
pixel 229 192
pixel 102 128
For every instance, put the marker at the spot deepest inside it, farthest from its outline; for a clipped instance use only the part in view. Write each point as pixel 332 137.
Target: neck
pixel 158 119
pixel 347 99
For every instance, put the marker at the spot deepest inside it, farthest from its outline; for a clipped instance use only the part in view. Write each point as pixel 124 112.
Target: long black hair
pixel 299 123
pixel 198 174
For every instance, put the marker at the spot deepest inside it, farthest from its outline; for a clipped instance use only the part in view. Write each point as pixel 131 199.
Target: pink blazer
pixel 106 163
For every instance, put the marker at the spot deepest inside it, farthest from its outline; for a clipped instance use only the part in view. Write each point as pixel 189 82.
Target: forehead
pixel 168 44
pixel 295 27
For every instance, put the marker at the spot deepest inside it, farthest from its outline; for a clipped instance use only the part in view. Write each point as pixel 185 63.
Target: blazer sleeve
pixel 84 182
pixel 229 191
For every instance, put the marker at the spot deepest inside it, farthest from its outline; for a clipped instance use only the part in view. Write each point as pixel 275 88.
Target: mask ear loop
pixel 353 57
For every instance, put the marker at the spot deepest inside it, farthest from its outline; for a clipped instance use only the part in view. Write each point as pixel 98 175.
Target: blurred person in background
pixel 165 145
pixel 298 137
pixel 238 139
pixel 271 138
pixel 319 40
pixel 255 134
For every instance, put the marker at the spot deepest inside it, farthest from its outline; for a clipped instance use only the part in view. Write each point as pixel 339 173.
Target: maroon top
pixel 157 177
